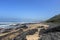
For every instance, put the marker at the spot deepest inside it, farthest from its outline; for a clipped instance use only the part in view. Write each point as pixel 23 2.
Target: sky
pixel 29 9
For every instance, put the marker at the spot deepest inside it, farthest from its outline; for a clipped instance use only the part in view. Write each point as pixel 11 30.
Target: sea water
pixel 7 24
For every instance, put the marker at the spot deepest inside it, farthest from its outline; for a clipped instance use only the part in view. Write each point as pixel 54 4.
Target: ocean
pixel 7 24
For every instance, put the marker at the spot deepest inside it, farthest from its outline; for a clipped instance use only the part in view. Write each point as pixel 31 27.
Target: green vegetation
pixel 55 19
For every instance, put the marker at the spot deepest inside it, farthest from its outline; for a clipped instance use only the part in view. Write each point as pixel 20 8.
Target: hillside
pixel 55 19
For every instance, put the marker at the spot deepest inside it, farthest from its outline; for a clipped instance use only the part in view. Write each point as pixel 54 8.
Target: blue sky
pixel 29 9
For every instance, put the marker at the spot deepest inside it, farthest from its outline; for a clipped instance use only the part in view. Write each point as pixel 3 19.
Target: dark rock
pixel 31 32
pixel 51 34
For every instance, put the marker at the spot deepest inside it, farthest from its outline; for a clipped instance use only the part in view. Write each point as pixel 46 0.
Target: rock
pixel 51 34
